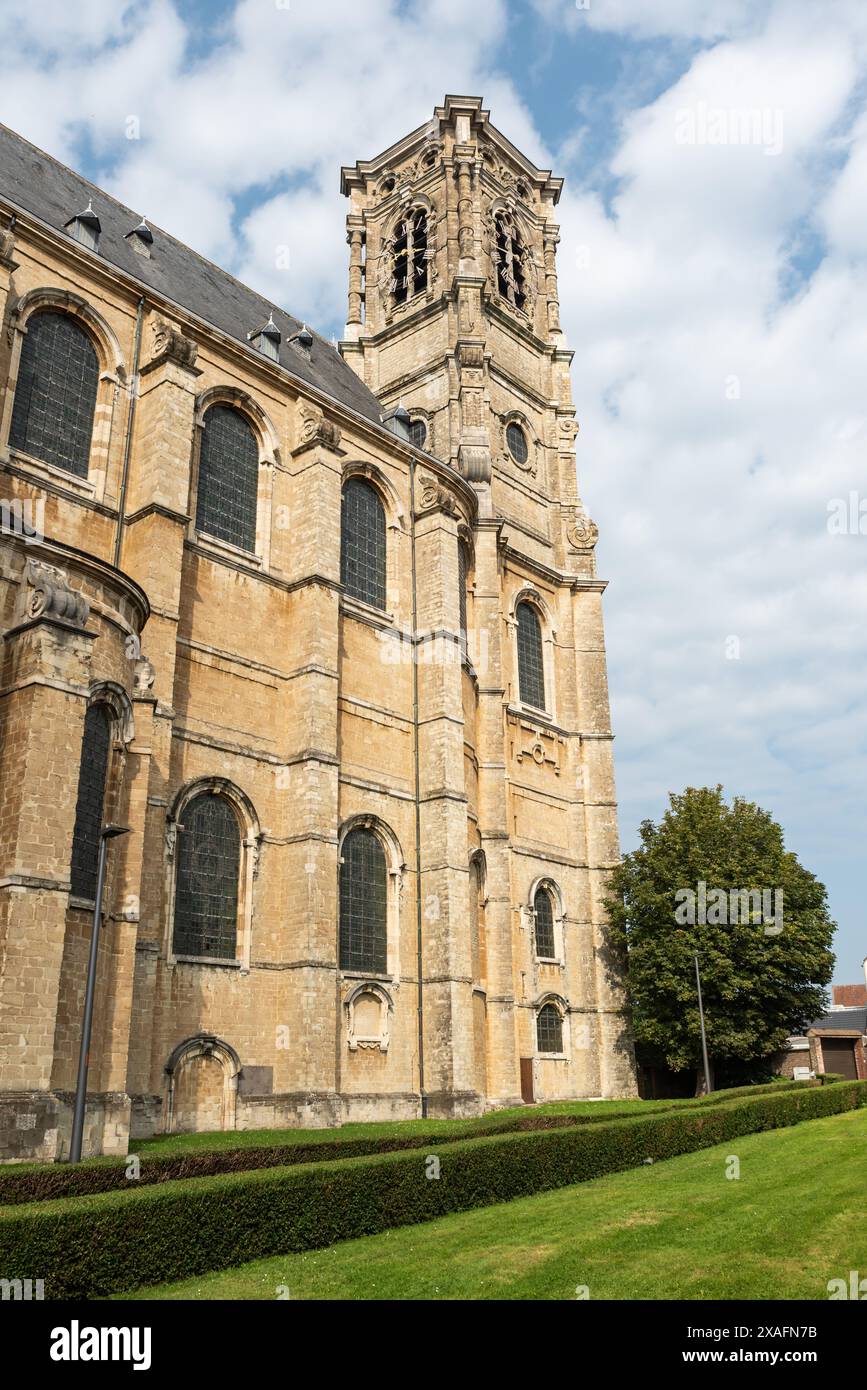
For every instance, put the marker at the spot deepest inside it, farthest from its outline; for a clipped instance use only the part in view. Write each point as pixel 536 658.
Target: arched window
pixel 55 397
pixel 418 433
pixel 543 912
pixel 531 662
pixel 228 478
pixel 363 903
pixel 89 806
pixel 549 1029
pixel 410 256
pixel 206 893
pixel 463 580
pixel 362 543
pixel 509 261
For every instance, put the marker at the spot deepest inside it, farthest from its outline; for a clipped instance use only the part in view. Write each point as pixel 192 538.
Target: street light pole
pixel 707 1085
pixel 107 833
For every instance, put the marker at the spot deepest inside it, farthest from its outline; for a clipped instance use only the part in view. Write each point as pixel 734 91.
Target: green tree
pixel 761 979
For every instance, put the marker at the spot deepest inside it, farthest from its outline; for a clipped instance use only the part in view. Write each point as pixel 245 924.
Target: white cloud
pixel 721 398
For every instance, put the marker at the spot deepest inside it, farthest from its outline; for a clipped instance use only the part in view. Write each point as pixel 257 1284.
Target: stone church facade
pixel 321 628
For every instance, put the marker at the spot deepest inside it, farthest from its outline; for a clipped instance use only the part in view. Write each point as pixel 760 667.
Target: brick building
pixel 323 629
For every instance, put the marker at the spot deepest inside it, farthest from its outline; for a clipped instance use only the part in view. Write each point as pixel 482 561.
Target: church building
pixel 318 626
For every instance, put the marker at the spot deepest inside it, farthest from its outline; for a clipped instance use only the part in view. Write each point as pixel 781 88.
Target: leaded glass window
pixel 516 441
pixel 418 433
pixel 463 575
pixel 549 1029
pixel 228 478
pixel 363 903
pixel 93 771
pixel 362 543
pixel 531 663
pixel 206 892
pixel 543 912
pixel 55 397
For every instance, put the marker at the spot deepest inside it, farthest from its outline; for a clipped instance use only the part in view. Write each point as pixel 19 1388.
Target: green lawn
pixel 679 1229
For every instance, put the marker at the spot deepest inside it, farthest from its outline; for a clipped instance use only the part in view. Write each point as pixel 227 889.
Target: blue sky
pixel 714 287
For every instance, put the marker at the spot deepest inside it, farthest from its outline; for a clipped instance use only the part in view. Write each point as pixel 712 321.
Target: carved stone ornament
pixel 583 533
pixel 144 676
pixel 7 248
pixel 51 595
pixel 544 747
pixel 169 344
pixel 429 156
pixel 435 496
pixel 313 428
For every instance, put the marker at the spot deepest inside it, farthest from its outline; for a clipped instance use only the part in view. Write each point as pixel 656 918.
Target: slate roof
pixel 33 182
pixel 843 1020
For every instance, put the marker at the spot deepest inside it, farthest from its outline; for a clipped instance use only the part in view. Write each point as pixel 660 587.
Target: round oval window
pixel 517 442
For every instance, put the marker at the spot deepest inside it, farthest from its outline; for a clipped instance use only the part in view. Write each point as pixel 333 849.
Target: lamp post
pixel 707 1085
pixel 108 832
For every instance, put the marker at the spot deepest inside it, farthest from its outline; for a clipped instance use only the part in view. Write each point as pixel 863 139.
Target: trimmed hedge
pixel 48 1182
pixel 111 1243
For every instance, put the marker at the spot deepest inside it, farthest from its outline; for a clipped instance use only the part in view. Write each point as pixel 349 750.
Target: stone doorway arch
pixel 203 1086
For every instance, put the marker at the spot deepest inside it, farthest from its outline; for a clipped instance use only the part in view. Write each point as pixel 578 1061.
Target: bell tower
pixel 454 314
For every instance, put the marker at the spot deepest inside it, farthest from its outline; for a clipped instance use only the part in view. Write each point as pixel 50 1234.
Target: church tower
pixel 453 316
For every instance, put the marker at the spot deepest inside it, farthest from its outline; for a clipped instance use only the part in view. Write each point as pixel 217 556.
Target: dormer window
pixel 267 339
pixel 85 228
pixel 410 256
pixel 141 238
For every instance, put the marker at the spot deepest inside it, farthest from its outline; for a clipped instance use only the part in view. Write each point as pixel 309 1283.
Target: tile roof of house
pixel 34 182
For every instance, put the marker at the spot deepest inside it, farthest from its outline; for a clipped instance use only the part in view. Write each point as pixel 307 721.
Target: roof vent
pixel 85 228
pixel 141 238
pixel 267 339
pixel 302 340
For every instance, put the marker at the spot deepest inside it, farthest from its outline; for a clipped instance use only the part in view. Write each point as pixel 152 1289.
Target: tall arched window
pixel 206 893
pixel 89 806
pixel 55 397
pixel 463 580
pixel 362 543
pixel 410 256
pixel 509 261
pixel 228 478
pixel 531 661
pixel 363 903
pixel 549 1029
pixel 543 913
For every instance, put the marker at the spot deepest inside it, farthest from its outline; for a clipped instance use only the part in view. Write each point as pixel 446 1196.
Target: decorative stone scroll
pixel 52 596
pixel 582 533
pixel 434 496
pixel 169 344
pixel 313 428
